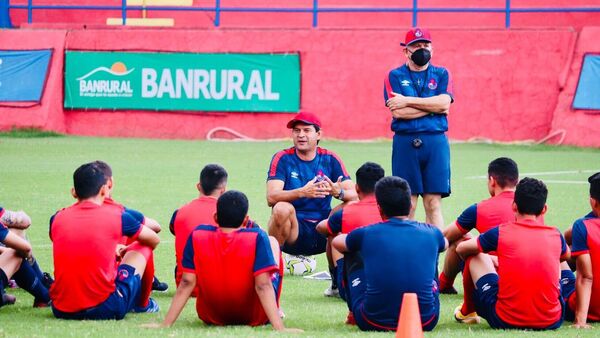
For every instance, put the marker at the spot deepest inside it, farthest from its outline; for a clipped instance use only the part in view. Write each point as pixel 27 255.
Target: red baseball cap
pixel 416 34
pixel 305 117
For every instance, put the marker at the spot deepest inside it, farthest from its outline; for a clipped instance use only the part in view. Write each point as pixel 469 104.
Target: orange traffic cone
pixel 409 323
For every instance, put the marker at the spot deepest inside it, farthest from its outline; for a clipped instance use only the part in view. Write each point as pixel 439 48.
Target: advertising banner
pixel 23 74
pixel 182 81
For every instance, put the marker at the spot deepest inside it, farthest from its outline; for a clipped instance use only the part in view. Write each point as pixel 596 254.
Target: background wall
pixel 507 83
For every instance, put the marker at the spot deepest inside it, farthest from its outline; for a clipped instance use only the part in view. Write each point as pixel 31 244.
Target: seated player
pixel 233 269
pixel 300 186
pixel 395 256
pixel 354 216
pixel 212 184
pixel 503 176
pixel 584 302
pixel 524 293
pixel 85 239
pixel 149 281
pixel 16 261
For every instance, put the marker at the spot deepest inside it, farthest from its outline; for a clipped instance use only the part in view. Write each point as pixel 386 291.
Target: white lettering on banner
pixel 105 88
pixel 208 84
pixel 149 86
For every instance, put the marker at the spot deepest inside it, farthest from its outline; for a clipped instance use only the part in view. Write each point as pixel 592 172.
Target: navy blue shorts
pixel 426 168
pixel 357 287
pixel 117 305
pixel 486 296
pixel 567 289
pixel 309 241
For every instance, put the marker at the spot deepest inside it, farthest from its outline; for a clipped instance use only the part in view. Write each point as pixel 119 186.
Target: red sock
pixel 445 282
pixel 148 275
pixel 468 289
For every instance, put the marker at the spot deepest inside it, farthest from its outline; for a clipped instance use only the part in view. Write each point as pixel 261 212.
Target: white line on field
pixel 565 182
pixel 544 173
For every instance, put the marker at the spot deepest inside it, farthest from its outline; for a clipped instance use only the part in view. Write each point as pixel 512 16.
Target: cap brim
pixel 413 41
pixel 293 122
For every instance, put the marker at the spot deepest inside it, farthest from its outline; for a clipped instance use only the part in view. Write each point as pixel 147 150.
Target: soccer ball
pixel 299 265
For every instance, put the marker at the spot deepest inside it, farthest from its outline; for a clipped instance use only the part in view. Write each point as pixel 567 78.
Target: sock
pixel 3 283
pixel 27 278
pixel 445 282
pixel 147 279
pixel 468 290
pixel 333 274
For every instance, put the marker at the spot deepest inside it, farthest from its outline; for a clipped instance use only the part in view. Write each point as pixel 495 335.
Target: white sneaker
pixel 331 292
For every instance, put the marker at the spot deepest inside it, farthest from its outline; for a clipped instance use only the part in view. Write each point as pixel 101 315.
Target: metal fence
pixel 315 9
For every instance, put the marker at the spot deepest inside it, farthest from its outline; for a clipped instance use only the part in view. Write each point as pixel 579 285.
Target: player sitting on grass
pixel 354 216
pixel 233 269
pixel 300 185
pixel 85 238
pixel 16 261
pixel 503 176
pixel 391 258
pixel 149 281
pixel 583 300
pixel 212 184
pixel 525 292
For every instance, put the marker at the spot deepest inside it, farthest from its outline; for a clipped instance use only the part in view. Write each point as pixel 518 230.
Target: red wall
pixel 506 81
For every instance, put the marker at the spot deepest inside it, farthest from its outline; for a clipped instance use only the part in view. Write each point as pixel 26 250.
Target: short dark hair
pixel 232 208
pixel 367 175
pixel 393 196
pixel 595 186
pixel 211 177
pixel 87 180
pixel 505 171
pixel 106 169
pixel 530 196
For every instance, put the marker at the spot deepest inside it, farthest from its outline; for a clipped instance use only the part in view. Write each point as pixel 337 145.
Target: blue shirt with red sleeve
pixel 586 240
pixel 84 240
pixel 286 166
pixel 399 256
pixel 354 216
pixel 528 277
pixel 225 264
pixel 488 213
pixel 431 82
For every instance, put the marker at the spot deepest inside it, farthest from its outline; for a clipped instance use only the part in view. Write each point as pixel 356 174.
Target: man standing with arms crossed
pixel 419 94
pixel 300 184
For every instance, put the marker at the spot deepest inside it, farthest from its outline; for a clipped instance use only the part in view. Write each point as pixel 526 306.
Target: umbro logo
pixel 355 282
pixel 405 83
pixel 294 174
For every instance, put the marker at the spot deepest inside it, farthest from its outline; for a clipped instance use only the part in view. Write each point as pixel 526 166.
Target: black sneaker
pixel 7 299
pixel 159 286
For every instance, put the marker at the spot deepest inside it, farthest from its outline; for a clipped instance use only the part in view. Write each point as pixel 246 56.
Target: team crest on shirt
pixel 123 274
pixel 432 84
pixel 294 174
pixel 405 83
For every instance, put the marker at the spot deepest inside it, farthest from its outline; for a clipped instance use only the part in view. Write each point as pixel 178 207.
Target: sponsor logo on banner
pixel 182 81
pixel 106 82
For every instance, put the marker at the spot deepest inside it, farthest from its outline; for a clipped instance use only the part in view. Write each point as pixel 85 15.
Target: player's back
pixel 225 265
pixel 407 252
pixel 186 219
pixel 84 238
pixel 588 230
pixel 529 255
pixel 364 212
pixel 495 211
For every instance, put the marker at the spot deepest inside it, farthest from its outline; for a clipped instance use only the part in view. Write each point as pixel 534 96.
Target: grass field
pixel 158 176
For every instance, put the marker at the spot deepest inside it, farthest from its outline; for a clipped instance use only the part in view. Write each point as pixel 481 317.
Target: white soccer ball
pixel 299 265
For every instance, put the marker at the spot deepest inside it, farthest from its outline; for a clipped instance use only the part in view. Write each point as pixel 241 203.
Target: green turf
pixel 157 176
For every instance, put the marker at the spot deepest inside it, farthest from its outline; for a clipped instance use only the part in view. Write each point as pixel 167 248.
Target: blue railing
pixel 315 9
